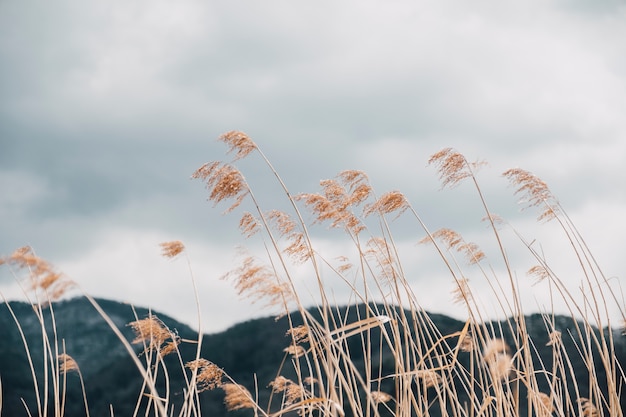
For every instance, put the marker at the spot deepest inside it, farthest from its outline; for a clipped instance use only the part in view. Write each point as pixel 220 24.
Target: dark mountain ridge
pixel 248 351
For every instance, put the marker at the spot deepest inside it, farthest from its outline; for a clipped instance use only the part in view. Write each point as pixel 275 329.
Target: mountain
pixel 250 352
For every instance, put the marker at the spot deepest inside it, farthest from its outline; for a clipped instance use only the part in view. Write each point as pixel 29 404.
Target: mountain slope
pixel 250 352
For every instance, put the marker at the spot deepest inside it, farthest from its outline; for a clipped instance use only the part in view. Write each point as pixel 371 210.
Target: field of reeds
pixel 382 354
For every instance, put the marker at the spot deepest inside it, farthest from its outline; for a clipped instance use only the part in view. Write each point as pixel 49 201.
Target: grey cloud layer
pixel 107 107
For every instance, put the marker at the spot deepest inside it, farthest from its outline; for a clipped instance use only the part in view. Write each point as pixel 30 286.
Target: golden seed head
pixel 293 392
pixel 535 192
pixel 295 350
pixel 494 348
pixel 499 361
pixel 587 408
pixel 279 384
pixel 453 240
pixel 466 344
pixel 501 367
pixel 544 404
pixel 41 274
pixel 238 142
pixel 539 272
pixel 462 294
pixel 388 203
pixel 299 334
pixel 428 378
pixel 237 397
pixel 380 397
pixel 209 376
pixel 338 198
pixel 223 182
pixel 259 282
pixel 67 363
pixel 172 249
pixel 248 225
pixel 152 332
pixel 452 166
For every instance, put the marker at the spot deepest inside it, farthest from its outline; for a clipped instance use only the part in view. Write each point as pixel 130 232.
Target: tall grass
pixel 407 366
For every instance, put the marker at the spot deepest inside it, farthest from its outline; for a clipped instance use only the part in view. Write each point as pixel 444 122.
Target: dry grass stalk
pixel 172 249
pixel 555 338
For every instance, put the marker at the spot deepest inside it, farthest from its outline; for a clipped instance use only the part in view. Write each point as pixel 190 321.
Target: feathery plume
pixel 153 333
pixel 499 361
pixel 452 167
pixel 41 274
pixel 388 203
pixel 428 378
pixel 466 344
pixel 544 403
pixel 535 191
pixel 238 142
pixel 209 375
pixel 66 363
pixel 292 391
pixel 224 182
pixel 587 408
pixel 453 240
pixel 172 249
pixel 248 225
pixel 380 253
pixel 259 282
pixel 539 272
pixel 297 249
pixel 462 293
pixel 237 397
pixel 380 397
pixel 299 334
pixel 295 350
pixel 334 203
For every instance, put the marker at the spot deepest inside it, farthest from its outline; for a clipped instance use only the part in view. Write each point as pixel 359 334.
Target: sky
pixel 107 108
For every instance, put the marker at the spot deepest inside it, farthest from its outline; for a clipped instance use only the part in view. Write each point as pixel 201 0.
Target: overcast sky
pixel 107 107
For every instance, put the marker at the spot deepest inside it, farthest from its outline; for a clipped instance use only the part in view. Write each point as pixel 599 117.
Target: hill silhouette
pixel 250 352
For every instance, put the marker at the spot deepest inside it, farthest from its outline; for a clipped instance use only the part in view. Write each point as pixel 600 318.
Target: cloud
pixel 108 107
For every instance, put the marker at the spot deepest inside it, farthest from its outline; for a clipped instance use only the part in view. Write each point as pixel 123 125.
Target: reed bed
pixel 407 366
